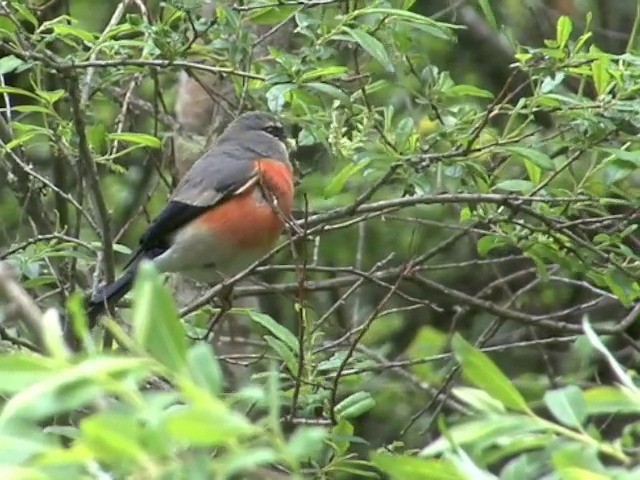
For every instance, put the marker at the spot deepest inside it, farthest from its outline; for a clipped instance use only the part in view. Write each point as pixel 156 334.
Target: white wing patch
pixel 250 183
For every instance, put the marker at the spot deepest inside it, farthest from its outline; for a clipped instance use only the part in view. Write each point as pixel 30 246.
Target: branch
pixel 65 67
pixel 26 307
pixel 91 175
pixel 115 18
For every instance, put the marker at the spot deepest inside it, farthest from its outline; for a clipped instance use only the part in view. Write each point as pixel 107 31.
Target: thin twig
pixel 26 307
pixel 91 175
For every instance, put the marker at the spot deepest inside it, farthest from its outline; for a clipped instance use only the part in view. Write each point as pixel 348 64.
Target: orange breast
pixel 249 222
pixel 278 179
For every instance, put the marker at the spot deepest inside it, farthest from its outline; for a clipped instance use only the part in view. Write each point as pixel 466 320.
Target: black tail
pixel 108 295
pixel 96 304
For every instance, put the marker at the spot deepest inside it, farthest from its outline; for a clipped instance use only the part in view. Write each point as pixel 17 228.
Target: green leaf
pixel 97 135
pixel 511 446
pixel 337 183
pixel 64 30
pixel 372 46
pixel 157 327
pixel 622 286
pixel 113 437
pixel 19 442
pixel 435 31
pixel 285 353
pixel 21 370
pixel 273 15
pixel 485 6
pixel 71 388
pixel 137 139
pixel 52 96
pixel 232 465
pixel 306 443
pixel 24 13
pixel 582 40
pixel 404 131
pixel 479 400
pixel 6 25
pixel 354 468
pixel 32 109
pixel 564 26
pixel 537 157
pixel 205 369
pixel 515 185
pixel 469 90
pixel 483 373
pixel 207 427
pixel 465 215
pixel 53 336
pixel 535 173
pixel 468 466
pixel 21 140
pixel 276 329
pixel 489 242
pixel 528 466
pixel 324 72
pixel 618 370
pixel 485 432
pixel 551 82
pixel 631 157
pixel 405 467
pixel 342 435
pixel 23 473
pixel 406 15
pixel 77 316
pixel 600 74
pixel 575 473
pixel 576 454
pixel 567 405
pixel 10 63
pixel 18 91
pixel 277 95
pixel 354 405
pixel 609 400
pixel 330 90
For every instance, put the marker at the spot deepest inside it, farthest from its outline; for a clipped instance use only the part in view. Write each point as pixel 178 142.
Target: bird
pixel 227 211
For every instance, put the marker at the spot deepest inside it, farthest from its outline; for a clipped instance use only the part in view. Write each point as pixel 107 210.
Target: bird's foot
pixel 224 305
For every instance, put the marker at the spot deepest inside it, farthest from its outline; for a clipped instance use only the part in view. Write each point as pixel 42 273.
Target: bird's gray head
pixel 253 122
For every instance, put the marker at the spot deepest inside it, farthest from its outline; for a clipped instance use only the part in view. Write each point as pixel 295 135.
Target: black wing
pixel 174 216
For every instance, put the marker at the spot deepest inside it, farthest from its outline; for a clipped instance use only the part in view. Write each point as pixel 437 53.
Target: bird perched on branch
pixel 227 211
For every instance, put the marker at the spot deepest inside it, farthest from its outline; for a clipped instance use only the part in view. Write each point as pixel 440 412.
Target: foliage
pixel 435 207
pixel 158 411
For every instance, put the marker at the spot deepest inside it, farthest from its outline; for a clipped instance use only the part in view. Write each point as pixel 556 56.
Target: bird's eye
pixel 275 130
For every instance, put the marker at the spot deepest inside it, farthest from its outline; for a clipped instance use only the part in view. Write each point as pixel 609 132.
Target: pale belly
pixel 204 259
